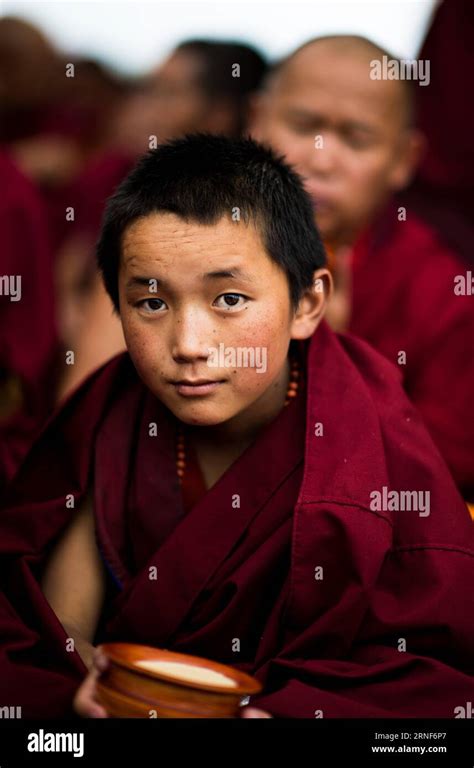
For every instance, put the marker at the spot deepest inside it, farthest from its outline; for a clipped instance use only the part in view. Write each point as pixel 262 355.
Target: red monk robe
pixel 28 342
pixel 249 570
pixel 94 186
pixel 443 190
pixel 404 301
pixel 87 195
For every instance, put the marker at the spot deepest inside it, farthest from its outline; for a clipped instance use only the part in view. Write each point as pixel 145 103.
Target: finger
pixel 254 712
pixel 85 703
pixel 101 661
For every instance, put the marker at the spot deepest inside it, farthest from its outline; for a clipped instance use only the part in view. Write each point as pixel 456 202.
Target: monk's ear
pixel 412 147
pixel 312 305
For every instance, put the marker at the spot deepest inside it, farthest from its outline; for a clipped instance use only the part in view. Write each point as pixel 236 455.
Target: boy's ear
pixel 312 305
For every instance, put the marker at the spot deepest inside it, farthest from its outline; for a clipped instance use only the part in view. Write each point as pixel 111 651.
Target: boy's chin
pixel 201 419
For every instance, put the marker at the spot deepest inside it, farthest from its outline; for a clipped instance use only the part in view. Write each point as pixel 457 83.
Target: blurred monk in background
pixel 353 140
pixel 55 110
pixel 28 339
pixel 51 125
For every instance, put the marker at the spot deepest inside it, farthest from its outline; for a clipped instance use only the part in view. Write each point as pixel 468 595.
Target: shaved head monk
pixel 351 136
pixel 273 474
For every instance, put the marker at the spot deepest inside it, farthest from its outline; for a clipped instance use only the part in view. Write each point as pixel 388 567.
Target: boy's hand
pixel 254 712
pixel 85 702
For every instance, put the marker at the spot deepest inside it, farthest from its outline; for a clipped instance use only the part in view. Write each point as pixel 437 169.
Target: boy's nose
pixel 191 339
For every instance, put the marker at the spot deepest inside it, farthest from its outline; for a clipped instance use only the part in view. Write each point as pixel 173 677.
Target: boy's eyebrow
pixel 233 272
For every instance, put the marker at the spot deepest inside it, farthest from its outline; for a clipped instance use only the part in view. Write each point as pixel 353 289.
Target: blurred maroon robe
pixel 97 181
pixel 443 190
pixel 88 195
pixel 404 301
pixel 28 341
pixel 247 571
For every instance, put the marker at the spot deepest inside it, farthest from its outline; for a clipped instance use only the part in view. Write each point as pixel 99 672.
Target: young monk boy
pixel 242 484
pixel 350 133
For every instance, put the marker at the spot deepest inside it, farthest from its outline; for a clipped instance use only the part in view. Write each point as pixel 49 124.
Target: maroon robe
pixel 404 301
pixel 246 571
pixel 96 183
pixel 446 174
pixel 28 341
pixel 88 195
pixel 443 190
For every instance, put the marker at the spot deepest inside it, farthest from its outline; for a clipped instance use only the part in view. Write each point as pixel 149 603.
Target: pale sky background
pixel 133 35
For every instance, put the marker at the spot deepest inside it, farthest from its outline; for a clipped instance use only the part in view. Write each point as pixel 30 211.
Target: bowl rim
pixel 246 685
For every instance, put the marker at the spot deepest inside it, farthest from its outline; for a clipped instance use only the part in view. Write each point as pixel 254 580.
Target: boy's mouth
pixel 196 387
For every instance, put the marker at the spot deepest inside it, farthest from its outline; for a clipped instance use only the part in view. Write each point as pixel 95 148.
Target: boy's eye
pixel 151 305
pixel 231 300
pixel 227 301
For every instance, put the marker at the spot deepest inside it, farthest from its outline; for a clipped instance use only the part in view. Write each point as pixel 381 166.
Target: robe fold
pixel 404 304
pixel 286 568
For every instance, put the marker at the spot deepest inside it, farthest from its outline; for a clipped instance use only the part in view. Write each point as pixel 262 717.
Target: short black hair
pixel 202 178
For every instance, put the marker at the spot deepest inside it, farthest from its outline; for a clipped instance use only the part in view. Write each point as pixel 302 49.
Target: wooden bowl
pixel 151 682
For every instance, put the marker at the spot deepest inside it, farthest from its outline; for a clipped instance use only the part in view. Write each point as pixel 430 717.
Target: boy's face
pixel 364 151
pixel 192 296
